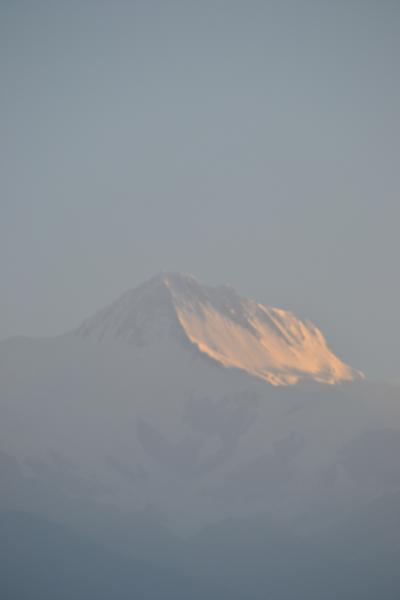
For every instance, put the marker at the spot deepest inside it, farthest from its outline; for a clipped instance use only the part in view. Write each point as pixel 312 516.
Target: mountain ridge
pixel 234 332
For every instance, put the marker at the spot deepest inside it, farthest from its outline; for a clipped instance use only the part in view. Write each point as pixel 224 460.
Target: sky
pixel 253 143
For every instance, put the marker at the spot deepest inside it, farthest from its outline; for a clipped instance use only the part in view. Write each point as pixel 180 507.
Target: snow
pixel 165 398
pixel 235 332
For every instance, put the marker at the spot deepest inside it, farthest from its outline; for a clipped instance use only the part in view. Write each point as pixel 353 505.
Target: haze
pixel 254 143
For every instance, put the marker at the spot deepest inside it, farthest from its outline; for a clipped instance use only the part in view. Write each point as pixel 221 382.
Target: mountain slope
pixel 130 410
pixel 234 332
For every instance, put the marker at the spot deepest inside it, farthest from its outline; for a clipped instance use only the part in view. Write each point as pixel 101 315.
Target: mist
pixel 199 365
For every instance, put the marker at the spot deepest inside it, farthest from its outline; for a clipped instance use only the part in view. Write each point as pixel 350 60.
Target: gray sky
pixel 254 143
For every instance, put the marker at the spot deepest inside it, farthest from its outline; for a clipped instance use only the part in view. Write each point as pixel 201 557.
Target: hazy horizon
pixel 190 439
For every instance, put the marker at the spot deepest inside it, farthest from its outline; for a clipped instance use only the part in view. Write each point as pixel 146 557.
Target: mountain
pixel 232 331
pixel 197 404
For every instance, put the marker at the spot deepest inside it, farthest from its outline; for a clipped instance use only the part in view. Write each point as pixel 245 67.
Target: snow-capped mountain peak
pixel 235 332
